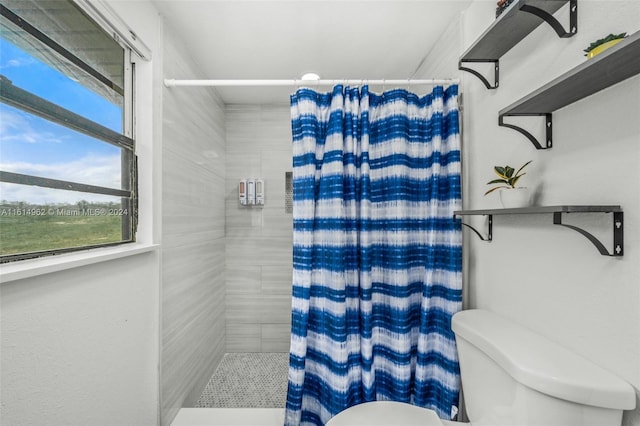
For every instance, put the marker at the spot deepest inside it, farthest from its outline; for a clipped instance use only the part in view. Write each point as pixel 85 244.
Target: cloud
pixel 100 170
pixel 17 126
pixel 18 62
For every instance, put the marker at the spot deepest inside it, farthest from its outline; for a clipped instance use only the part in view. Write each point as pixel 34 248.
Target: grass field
pixel 38 228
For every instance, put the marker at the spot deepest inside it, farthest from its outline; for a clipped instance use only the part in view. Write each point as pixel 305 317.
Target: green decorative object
pixel 602 41
pixel 508 177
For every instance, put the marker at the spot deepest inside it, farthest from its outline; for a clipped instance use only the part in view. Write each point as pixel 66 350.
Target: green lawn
pixel 28 233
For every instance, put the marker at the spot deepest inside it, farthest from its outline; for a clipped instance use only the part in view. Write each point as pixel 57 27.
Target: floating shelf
pixel 558 211
pixel 614 65
pixel 513 25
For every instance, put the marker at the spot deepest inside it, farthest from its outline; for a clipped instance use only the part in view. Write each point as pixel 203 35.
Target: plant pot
pixel 604 46
pixel 515 198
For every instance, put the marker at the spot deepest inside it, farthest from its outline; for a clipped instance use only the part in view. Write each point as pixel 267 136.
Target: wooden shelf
pixel 513 25
pixel 614 65
pixel 541 210
pixel 608 68
pixel 558 211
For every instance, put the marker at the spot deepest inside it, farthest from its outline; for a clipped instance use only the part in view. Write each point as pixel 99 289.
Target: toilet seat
pixel 384 413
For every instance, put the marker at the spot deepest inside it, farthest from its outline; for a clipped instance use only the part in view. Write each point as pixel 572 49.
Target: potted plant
pixel 603 44
pixel 511 196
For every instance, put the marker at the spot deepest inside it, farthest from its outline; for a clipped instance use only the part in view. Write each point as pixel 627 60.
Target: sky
pixel 34 146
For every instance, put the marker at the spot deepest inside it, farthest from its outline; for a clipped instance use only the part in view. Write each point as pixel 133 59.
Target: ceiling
pixel 337 39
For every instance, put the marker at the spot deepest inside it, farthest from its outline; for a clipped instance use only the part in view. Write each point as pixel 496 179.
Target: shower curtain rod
pixel 169 82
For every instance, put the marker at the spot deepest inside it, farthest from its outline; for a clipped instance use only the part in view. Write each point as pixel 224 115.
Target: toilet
pixel 512 376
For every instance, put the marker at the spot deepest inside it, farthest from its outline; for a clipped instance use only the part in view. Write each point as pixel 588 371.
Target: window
pixel 68 175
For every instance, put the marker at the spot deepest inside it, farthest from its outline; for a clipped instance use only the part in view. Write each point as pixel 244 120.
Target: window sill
pixel 45 265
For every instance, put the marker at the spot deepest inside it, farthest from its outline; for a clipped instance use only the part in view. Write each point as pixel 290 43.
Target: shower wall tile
pixel 251 248
pixel 276 337
pixel 243 338
pixel 193 285
pixel 277 280
pixel 277 225
pixel 245 219
pixel 243 279
pixel 258 240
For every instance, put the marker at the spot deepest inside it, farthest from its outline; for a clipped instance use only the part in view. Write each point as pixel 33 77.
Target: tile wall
pixel 258 240
pixel 193 253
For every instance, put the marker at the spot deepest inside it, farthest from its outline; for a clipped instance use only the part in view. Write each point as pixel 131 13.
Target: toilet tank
pixel 514 376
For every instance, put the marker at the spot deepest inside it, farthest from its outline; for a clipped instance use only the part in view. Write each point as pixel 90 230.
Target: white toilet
pixel 512 376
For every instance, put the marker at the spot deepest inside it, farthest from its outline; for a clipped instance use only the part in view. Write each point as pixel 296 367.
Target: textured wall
pixel 549 278
pixel 259 240
pixel 80 346
pixel 193 176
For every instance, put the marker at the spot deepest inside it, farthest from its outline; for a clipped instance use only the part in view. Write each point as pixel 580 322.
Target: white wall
pixel 259 240
pixel 549 278
pixel 193 240
pixel 80 346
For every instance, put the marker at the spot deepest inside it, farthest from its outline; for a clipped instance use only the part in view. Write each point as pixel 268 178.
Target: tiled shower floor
pixel 248 380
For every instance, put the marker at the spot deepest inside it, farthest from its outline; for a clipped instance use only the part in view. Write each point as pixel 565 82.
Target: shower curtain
pixel 377 255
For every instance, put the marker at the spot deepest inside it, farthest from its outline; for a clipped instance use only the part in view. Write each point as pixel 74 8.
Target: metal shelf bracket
pixel 553 22
pixel 548 129
pixel 496 72
pixel 509 30
pixel 489 229
pixel 618 221
pixel 618 234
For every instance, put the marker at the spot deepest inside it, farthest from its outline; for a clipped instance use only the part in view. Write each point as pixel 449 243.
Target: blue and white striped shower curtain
pixel 377 255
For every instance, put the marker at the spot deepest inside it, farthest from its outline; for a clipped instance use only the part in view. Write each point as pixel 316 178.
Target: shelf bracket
pixel 489 229
pixel 618 234
pixel 532 139
pixel 496 72
pixel 553 22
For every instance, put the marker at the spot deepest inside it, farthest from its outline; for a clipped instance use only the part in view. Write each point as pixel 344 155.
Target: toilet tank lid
pixel 541 364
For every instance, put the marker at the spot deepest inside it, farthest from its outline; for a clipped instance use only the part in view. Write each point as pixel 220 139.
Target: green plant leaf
pixel 491 182
pixel 515 180
pixel 497 187
pixel 523 166
pixel 508 179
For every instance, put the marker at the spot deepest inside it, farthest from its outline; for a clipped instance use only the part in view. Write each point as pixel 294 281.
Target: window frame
pixel 37 106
